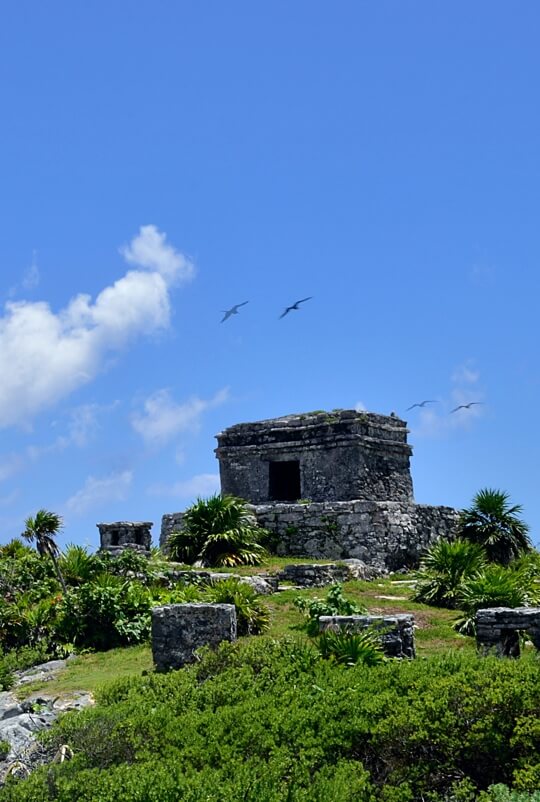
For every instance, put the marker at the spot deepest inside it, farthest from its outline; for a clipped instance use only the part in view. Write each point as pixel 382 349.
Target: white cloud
pixel 44 356
pixel 96 492
pixel 360 406
pixel 439 419
pixel 150 249
pixel 163 419
pixel 204 484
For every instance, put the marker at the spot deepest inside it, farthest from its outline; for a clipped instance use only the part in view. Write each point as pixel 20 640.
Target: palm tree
pixel 496 526
pixel 218 531
pixel 42 529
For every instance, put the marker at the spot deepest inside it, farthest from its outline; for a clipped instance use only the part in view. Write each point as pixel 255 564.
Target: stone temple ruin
pixel 330 485
pixel 115 537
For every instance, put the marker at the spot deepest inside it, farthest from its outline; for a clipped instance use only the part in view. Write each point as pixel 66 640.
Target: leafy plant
pixel 334 603
pixel 496 526
pixel 251 612
pixel 443 568
pixel 78 565
pixel 349 648
pixel 495 586
pixel 218 531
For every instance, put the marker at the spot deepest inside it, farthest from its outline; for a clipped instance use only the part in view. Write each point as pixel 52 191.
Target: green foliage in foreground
pixel 258 722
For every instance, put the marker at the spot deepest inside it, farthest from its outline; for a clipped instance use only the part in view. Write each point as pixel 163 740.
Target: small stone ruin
pixel 396 631
pixel 498 628
pixel 136 535
pixel 178 630
pixel 313 575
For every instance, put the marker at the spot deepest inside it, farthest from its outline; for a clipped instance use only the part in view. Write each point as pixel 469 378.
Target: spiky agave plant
pixel 350 648
pixel 495 586
pixel 493 523
pixel 443 568
pixel 218 531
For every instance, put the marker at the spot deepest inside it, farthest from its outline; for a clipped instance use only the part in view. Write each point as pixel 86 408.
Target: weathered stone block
pixel 396 631
pixel 178 630
pixel 497 628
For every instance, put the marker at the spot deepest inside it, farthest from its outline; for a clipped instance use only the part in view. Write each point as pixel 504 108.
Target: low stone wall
pixel 387 534
pixel 397 631
pixel 178 630
pixel 310 575
pixel 497 629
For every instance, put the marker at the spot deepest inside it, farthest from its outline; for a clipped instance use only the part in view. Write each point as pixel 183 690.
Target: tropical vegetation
pixel 218 531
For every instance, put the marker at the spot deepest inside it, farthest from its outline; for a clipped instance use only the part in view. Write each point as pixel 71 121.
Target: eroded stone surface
pixel 309 575
pixel 178 630
pixel 497 629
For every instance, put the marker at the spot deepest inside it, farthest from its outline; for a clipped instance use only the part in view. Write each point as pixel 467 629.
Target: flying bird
pixel 232 311
pixel 295 306
pixel 422 404
pixel 466 406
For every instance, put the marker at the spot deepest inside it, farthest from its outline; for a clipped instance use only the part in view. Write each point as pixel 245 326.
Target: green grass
pixel 88 672
pixel 434 633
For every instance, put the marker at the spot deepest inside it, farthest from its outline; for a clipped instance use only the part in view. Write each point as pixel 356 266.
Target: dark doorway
pixel 284 481
pixel 115 538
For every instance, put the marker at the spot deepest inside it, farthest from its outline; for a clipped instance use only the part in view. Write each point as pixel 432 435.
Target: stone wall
pixel 115 537
pixel 497 628
pixel 171 522
pixel 390 535
pixel 341 455
pixel 396 631
pixel 178 630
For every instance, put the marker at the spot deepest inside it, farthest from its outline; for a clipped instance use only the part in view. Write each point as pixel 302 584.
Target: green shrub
pixel 495 586
pixel 218 531
pixel 443 568
pixel 350 648
pixel 257 721
pixel 105 613
pixel 251 613
pixel 491 522
pixel 334 603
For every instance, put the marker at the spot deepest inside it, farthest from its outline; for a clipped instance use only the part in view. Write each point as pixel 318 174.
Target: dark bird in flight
pixel 466 406
pixel 422 404
pixel 295 306
pixel 232 311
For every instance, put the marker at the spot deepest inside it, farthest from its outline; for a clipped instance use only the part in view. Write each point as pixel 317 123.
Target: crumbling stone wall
pixel 389 535
pixel 497 628
pixel 117 536
pixel 178 630
pixel 341 455
pixel 396 631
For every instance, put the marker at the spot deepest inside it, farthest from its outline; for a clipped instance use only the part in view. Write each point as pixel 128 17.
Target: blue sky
pixel 163 161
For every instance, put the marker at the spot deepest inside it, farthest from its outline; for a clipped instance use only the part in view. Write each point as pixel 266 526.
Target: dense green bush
pixel 443 569
pixel 259 722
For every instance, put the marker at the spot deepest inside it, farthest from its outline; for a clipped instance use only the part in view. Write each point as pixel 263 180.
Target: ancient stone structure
pixel 336 456
pixel 396 631
pixel 498 628
pixel 115 537
pixel 330 485
pixel 178 630
pixel 315 575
